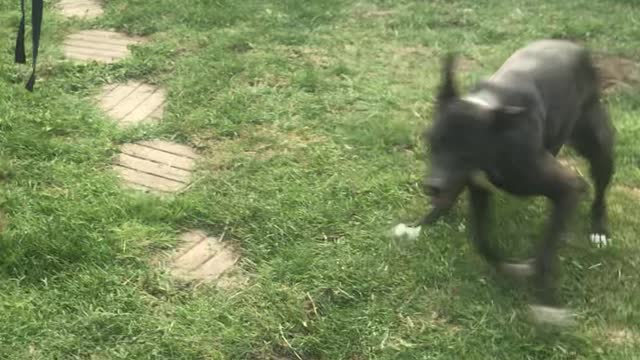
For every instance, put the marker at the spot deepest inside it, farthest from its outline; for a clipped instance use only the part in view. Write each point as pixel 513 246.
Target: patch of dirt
pixel 266 81
pixel 617 336
pixel 405 51
pixel 440 321
pixel 616 72
pixel 378 13
pixel 622 337
pixel 260 143
pixel 368 11
pixel 408 61
pixel 232 280
pixel 314 56
pixel 183 46
pixel 633 191
pixel 403 63
pixel 465 63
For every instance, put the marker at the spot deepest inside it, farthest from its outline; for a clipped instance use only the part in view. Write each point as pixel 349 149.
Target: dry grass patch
pixel 313 56
pixel 260 143
pixel 633 191
pixel 616 72
pixel 368 11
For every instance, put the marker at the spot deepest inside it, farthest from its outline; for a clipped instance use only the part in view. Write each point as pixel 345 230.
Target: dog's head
pixel 461 139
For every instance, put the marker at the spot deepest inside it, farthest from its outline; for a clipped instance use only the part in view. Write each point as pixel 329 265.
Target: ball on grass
pixel 404 232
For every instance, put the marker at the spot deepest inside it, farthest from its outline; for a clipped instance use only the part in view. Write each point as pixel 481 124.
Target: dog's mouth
pixel 443 191
pixel 444 197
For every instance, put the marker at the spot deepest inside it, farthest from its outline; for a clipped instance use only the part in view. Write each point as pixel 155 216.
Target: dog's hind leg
pixel 593 138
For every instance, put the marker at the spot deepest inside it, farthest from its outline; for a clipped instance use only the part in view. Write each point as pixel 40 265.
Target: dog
pixel 509 128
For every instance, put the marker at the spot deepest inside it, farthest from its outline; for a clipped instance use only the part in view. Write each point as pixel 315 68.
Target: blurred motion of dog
pixel 509 129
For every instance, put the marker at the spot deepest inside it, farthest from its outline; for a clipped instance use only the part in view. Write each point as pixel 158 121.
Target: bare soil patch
pixel 260 143
pixel 368 11
pixel 616 72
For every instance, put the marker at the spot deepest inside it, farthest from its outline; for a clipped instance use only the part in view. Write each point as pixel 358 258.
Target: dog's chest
pixel 507 175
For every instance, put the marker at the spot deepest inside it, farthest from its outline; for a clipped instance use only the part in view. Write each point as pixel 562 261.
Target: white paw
pixel 551 315
pixel 402 231
pixel 600 240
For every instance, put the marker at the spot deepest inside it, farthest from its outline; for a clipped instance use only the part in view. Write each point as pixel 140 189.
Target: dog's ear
pixel 447 88
pixel 506 117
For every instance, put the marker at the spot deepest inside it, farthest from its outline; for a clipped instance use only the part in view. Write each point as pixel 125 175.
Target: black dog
pixel 510 127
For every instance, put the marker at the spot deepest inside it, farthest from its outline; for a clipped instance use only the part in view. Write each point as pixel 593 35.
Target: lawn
pixel 308 117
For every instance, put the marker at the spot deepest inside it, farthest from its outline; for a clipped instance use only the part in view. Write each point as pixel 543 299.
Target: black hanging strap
pixel 37 8
pixel 21 58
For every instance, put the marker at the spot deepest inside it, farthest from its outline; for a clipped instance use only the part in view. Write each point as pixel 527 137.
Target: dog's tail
pixel 448 87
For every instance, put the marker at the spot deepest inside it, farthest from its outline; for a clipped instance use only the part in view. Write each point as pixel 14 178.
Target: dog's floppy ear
pixel 505 117
pixel 447 87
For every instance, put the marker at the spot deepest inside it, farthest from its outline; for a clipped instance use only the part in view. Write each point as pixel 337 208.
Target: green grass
pixel 308 114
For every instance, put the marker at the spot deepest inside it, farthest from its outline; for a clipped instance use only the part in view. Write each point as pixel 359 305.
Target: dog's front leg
pixel 432 216
pixel 563 189
pixel 479 208
pixel 402 231
pixel 438 211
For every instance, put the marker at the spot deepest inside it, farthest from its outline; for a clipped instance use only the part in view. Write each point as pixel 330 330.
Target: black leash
pixel 37 9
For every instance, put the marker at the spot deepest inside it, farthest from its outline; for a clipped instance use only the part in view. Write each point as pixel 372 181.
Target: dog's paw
pixel 600 240
pixel 548 315
pixel 404 232
pixel 522 269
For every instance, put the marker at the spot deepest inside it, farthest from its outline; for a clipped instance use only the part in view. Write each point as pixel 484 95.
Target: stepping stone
pixel 202 258
pixel 87 9
pixel 133 102
pixel 98 45
pixel 156 165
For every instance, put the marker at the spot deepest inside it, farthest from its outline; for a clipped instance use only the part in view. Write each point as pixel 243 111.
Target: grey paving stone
pixel 87 9
pixel 156 165
pixel 202 258
pixel 98 45
pixel 133 102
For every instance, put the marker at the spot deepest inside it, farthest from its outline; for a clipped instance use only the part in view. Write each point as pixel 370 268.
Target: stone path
pixel 155 166
pixel 87 9
pixel 202 258
pixel 98 45
pixel 132 102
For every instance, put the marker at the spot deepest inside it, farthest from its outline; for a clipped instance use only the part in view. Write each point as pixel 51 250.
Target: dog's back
pixel 555 79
